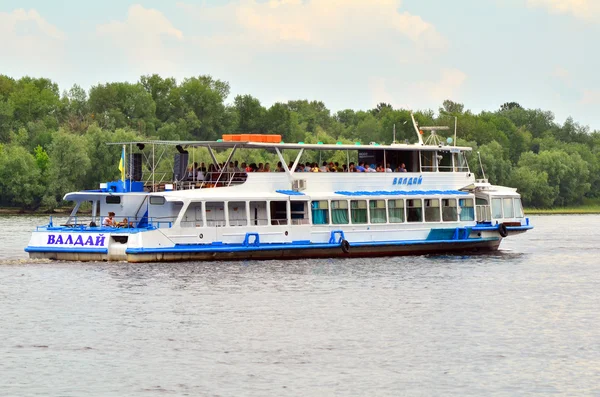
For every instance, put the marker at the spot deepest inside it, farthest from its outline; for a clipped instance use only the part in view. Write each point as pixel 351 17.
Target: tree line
pixel 52 142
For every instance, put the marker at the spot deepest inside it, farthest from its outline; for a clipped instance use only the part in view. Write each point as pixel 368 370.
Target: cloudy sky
pixel 347 53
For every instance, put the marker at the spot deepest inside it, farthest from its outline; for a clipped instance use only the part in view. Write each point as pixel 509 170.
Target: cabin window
pixel 237 213
pixel 192 216
pixel 377 211
pixel 320 212
pixel 157 200
pixel 449 212
pixel 279 212
pixel 444 161
pixel 509 211
pixel 428 161
pixel 414 210
pixel 467 212
pixel 258 213
pixel 358 209
pixel 460 162
pixel 339 212
pixel 396 211
pixel 215 214
pixel 299 213
pixel 113 199
pixel 432 210
pixel 518 208
pixel 496 208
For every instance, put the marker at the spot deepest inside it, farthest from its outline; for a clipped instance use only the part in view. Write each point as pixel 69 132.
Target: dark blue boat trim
pixel 518 228
pixel 295 246
pixel 69 250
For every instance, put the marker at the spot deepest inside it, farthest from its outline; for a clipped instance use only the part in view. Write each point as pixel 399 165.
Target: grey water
pixel 522 321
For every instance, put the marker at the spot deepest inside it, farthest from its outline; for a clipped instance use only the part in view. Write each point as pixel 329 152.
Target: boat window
pixel 377 211
pixel 192 216
pixel 215 214
pixel 449 212
pixel 258 213
pixel 279 212
pixel 480 201
pixel 460 162
pixel 157 200
pixel 299 213
pixel 444 161
pixel 320 212
pixel 496 208
pixel 432 210
pixel 113 199
pixel 396 211
pixel 237 213
pixel 518 208
pixel 339 212
pixel 427 162
pixel 414 210
pixel 507 205
pixel 467 212
pixel 358 209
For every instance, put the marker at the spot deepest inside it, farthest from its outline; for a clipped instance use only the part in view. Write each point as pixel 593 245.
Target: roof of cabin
pixel 297 146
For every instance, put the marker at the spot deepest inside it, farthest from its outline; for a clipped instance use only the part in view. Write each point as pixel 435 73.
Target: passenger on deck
pixel 369 169
pixel 279 167
pixel 267 167
pixel 360 167
pixel 109 220
pixel 315 168
pixel 388 168
pixel 402 168
pixel 124 223
pixel 351 167
pixel 261 168
pixel 323 167
pixel 300 168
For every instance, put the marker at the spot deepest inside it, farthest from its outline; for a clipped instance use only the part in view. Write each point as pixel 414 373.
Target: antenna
pixel 481 165
pixel 455 124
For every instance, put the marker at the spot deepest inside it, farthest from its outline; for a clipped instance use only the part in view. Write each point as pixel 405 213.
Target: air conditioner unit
pixel 299 184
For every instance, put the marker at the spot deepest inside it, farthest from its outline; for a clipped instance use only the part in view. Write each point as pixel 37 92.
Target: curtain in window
pixel 319 216
pixel 378 215
pixel 339 216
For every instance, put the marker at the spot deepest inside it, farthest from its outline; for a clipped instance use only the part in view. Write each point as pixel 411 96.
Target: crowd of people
pixel 201 173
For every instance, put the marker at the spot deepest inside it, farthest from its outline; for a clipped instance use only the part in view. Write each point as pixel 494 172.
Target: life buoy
pixel 345 246
pixel 502 230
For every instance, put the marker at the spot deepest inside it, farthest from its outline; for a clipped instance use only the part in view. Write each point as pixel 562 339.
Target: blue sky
pixel 347 53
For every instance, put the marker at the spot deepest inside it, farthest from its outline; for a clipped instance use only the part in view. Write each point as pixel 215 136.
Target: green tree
pixel 19 178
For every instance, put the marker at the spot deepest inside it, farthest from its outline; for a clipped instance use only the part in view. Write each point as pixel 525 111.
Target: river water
pixel 523 321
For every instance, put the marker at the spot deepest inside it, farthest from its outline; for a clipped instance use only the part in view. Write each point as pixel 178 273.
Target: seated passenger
pixel 109 220
pixel 315 168
pixel 267 167
pixel 351 167
pixel 323 168
pixel 369 169
pixel 360 167
pixel 300 168
pixel 124 223
pixel 402 168
pixel 388 168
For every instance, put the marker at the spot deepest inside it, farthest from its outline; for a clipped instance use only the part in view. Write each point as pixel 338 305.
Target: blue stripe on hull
pixel 289 246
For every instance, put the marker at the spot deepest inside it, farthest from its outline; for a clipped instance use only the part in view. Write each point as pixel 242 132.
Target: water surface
pixel 523 321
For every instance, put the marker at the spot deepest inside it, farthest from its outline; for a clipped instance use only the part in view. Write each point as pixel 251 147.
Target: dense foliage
pixel 52 143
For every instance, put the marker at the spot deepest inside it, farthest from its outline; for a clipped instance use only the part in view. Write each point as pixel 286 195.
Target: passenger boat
pixel 436 206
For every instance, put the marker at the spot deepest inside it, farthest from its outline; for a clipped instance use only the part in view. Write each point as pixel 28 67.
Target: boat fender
pixel 345 246
pixel 502 230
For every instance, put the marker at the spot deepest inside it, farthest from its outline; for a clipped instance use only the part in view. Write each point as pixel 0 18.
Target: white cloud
pixel 419 94
pixel 582 9
pixel 320 23
pixel 30 40
pixel 146 37
pixel 590 97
